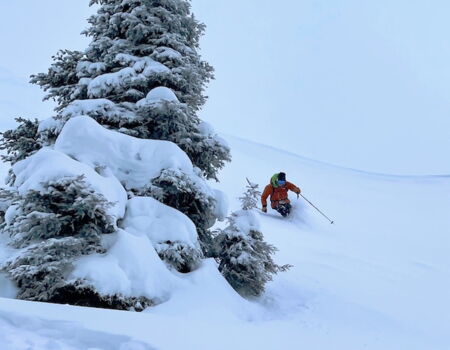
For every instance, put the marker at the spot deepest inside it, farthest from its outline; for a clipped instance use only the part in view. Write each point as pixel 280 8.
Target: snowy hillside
pixel 377 279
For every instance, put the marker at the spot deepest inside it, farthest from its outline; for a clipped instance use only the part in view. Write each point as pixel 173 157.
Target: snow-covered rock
pixel 133 161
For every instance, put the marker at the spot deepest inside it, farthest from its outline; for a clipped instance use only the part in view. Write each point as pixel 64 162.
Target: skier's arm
pixel 293 188
pixel 265 194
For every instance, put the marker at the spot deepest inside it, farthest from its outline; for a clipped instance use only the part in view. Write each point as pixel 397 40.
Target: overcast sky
pixel 364 84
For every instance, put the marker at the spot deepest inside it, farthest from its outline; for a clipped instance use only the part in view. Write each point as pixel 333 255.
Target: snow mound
pixel 130 267
pixel 133 161
pixel 49 165
pixel 245 221
pixel 195 299
pixel 159 222
pixel 157 95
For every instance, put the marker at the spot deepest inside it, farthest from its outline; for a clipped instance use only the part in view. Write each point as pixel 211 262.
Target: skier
pixel 278 192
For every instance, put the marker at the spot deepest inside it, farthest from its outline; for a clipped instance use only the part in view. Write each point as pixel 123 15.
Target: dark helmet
pixel 281 181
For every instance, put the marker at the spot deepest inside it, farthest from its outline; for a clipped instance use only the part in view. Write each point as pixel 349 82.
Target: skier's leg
pixel 284 209
pixel 279 209
pixel 288 208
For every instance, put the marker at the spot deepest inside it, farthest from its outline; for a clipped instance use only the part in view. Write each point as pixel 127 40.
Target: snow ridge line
pixel 340 167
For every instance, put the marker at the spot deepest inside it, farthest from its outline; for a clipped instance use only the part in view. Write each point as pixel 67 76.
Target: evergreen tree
pixel 61 80
pixel 53 227
pixel 179 255
pixel 179 191
pixel 138 46
pixel 21 142
pixel 245 259
pixel 251 196
pixel 141 76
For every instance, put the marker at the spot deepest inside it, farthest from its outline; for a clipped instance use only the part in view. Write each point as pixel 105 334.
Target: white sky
pixel 364 84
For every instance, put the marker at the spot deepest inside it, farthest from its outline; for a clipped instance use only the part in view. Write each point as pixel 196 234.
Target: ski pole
pixel 306 199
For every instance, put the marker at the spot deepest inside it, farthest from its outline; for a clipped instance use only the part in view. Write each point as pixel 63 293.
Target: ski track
pixel 377 279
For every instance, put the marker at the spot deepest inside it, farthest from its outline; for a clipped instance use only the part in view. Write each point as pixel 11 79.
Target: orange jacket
pixel 278 194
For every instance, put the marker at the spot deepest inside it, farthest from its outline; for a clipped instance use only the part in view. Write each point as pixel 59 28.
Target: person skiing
pixel 278 192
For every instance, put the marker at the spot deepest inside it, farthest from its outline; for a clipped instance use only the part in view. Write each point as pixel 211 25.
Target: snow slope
pixel 377 279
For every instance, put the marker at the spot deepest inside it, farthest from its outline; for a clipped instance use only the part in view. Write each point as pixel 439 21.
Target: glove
pixel 264 209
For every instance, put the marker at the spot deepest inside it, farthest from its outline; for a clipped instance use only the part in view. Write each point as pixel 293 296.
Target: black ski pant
pixel 284 209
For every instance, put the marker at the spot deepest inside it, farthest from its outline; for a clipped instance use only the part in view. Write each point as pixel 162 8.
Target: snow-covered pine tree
pixel 251 196
pixel 53 227
pixel 191 198
pixel 20 142
pixel 23 141
pixel 141 76
pixel 245 259
pixel 138 46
